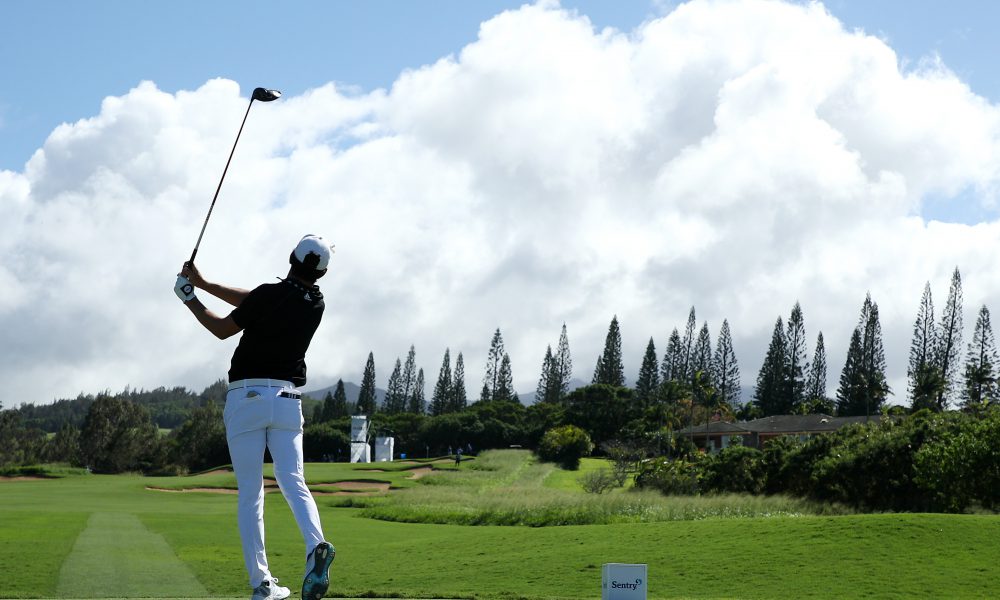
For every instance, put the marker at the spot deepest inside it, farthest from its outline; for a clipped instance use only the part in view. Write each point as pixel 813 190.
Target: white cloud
pixel 732 155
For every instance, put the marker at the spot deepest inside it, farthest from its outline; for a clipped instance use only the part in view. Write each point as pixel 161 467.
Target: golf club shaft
pixel 205 224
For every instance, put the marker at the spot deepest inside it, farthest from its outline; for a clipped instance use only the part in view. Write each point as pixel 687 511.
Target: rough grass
pixel 509 488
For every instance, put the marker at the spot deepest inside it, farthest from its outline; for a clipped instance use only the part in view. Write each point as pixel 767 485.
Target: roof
pixel 776 424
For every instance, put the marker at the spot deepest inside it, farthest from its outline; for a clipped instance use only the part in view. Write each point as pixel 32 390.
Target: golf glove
pixel 184 289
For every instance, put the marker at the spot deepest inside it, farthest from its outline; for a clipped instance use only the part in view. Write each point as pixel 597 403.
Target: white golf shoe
pixel 317 578
pixel 270 590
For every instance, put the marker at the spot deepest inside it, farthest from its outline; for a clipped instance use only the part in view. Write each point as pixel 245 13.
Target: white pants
pixel 256 417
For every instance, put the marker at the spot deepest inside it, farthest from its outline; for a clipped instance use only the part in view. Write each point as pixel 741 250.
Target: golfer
pixel 263 406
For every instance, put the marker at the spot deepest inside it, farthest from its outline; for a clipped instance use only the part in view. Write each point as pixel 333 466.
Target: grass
pixel 851 556
pixel 511 488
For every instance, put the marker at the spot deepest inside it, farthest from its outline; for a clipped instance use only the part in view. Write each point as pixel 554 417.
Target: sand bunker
pixel 344 488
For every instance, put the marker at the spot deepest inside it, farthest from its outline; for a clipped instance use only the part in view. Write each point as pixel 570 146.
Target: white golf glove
pixel 184 289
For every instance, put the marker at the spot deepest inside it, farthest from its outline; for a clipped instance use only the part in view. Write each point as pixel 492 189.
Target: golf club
pixel 263 95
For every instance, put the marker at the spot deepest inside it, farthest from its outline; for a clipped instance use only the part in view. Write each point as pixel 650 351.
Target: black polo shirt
pixel 278 322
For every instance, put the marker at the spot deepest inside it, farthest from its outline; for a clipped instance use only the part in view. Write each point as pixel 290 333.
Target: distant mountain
pixel 352 390
pixel 529 398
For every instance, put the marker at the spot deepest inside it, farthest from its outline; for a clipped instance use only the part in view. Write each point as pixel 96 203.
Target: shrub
pixel 599 481
pixel 961 469
pixel 565 446
pixel 671 477
pixel 737 469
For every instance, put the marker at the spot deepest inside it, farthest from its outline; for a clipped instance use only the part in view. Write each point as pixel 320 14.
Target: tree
pixel 701 356
pixel 493 364
pixel 687 345
pixel 366 396
pixel 505 382
pixel 950 341
pixel 725 370
pixel 339 409
pixel 548 386
pixel 981 363
pixel 459 399
pixel 416 400
pixel 563 363
pixel 673 359
pixel 441 400
pixel 922 349
pixel 408 381
pixel 610 370
pixel 648 383
pixel 768 395
pixel 117 436
pixel 795 359
pixel 200 443
pixel 863 387
pixel 815 395
pixel 395 397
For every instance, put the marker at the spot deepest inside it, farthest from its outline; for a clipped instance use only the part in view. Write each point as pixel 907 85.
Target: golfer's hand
pixel 184 289
pixel 193 275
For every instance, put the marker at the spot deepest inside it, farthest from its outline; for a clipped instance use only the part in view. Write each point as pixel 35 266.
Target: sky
pixel 485 165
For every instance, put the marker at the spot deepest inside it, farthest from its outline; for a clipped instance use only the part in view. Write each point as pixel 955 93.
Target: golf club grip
pixel 221 179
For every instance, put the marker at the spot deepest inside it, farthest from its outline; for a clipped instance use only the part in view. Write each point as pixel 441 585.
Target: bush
pixel 599 481
pixel 565 446
pixel 670 477
pixel 737 469
pixel 964 468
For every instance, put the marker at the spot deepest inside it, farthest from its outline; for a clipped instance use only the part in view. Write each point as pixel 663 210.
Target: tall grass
pixel 507 488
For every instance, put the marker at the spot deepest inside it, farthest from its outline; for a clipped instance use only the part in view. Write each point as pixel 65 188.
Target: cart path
pixel 116 556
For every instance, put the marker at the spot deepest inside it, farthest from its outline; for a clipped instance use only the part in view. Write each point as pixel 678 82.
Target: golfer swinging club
pixel 263 406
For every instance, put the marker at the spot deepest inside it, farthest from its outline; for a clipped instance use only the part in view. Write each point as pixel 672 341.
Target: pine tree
pixel 921 374
pixel 441 400
pixel 545 380
pixel 687 346
pixel 816 380
pixel 598 370
pixel 851 392
pixel 673 359
pixel 768 395
pixel 701 358
pixel 505 382
pixel 416 401
pixel 339 408
pixel 950 342
pixel 611 370
pixel 324 412
pixel 493 362
pixel 648 382
pixel 981 364
pixel 795 359
pixel 725 370
pixel 459 399
pixel 366 396
pixel 563 363
pixel 409 379
pixel 863 387
pixel 395 396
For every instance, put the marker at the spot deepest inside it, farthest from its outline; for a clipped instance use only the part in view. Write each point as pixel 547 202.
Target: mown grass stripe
pixel 116 556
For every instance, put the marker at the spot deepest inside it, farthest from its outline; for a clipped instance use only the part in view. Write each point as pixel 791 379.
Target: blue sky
pixel 480 170
pixel 61 58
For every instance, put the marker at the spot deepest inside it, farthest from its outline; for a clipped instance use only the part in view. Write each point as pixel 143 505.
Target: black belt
pixel 287 394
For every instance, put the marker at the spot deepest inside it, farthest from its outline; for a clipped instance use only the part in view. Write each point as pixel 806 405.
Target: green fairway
pixel 109 536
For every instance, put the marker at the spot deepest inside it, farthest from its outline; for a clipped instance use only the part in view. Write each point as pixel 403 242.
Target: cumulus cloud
pixel 733 155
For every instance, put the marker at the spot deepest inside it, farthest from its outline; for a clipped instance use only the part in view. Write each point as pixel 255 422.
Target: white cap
pixel 313 244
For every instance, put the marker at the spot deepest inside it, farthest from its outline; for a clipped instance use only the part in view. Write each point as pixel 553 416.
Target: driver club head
pixel 264 95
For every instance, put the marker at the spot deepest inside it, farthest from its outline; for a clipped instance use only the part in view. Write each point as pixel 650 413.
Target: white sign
pixel 361 452
pixel 359 428
pixel 383 449
pixel 621 581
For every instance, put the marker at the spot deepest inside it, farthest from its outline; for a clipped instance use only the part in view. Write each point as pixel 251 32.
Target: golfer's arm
pixel 221 327
pixel 234 296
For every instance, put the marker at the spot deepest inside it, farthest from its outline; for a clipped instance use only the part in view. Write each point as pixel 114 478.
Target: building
pixel 718 435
